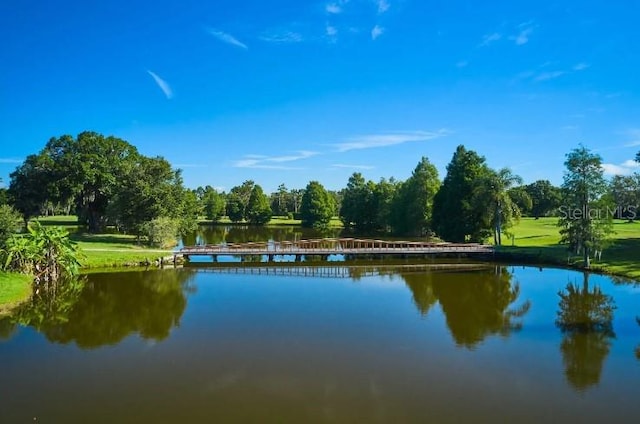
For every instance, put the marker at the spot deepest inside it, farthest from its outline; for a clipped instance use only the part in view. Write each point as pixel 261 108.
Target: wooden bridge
pixel 349 247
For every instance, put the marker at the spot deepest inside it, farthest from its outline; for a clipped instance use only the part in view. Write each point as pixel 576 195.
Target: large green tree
pixel 90 169
pixel 545 198
pixel 30 185
pixel 279 201
pixel 151 190
pixel 317 206
pixel 238 200
pixel 585 216
pixel 357 209
pixel 213 203
pixel 625 190
pixel 258 208
pixel 412 208
pixel 455 216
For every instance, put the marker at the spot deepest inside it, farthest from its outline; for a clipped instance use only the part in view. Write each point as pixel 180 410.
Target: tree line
pixel 106 181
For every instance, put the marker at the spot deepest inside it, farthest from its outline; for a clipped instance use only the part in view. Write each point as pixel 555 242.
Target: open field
pixel 538 240
pixel 14 289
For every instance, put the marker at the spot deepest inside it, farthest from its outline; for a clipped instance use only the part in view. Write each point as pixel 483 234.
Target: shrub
pixel 161 232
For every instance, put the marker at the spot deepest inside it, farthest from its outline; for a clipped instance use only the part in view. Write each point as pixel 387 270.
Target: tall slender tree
pixel 412 209
pixel 258 208
pixel 586 220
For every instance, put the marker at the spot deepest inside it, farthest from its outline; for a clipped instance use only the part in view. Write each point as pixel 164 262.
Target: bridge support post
pixel 270 258
pixel 298 258
pixel 214 258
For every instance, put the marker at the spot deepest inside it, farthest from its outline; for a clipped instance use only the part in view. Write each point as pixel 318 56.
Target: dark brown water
pixel 328 344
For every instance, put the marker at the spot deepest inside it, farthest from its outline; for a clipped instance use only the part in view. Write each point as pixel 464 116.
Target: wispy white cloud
pixel 376 32
pixel 10 160
pixel 273 162
pixel 628 167
pixel 383 6
pixel 347 166
pixel 462 64
pixel 581 66
pixel 281 36
pixel 226 38
pixel 390 139
pixel 490 38
pixel 541 75
pixel 525 30
pixel 333 8
pixel 634 137
pixel 164 86
pixel 546 76
pixel 331 31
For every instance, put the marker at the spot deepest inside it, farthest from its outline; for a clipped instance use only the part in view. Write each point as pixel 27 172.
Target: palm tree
pixel 492 195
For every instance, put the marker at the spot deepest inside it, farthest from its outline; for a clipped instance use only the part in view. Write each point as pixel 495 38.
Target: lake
pixel 328 343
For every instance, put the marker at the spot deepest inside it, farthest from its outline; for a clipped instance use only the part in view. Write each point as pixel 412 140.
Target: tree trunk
pixel 587 261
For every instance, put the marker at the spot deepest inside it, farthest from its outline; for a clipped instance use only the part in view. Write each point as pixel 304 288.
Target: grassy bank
pixel 108 250
pixel 14 289
pixel 537 241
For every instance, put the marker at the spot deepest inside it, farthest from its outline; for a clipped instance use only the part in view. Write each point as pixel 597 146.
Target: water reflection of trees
pixel 216 234
pixel 475 304
pixel 638 348
pixel 107 308
pixel 585 317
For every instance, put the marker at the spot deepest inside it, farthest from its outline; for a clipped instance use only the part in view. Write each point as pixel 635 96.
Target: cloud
pixel 628 167
pixel 391 139
pixel 546 76
pixel 490 38
pixel 11 160
pixel 226 38
pixel 634 135
pixel 331 31
pixel 462 64
pixel 164 86
pixel 272 162
pixel 581 66
pixel 550 75
pixel 333 8
pixel 526 28
pixel 376 32
pixel 281 36
pixel 346 166
pixel 383 6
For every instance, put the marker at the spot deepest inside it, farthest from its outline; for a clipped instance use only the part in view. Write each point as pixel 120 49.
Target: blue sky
pixel 287 91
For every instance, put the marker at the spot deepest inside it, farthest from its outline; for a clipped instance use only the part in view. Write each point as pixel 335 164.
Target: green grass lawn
pixel 540 238
pixel 108 250
pixel 14 289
